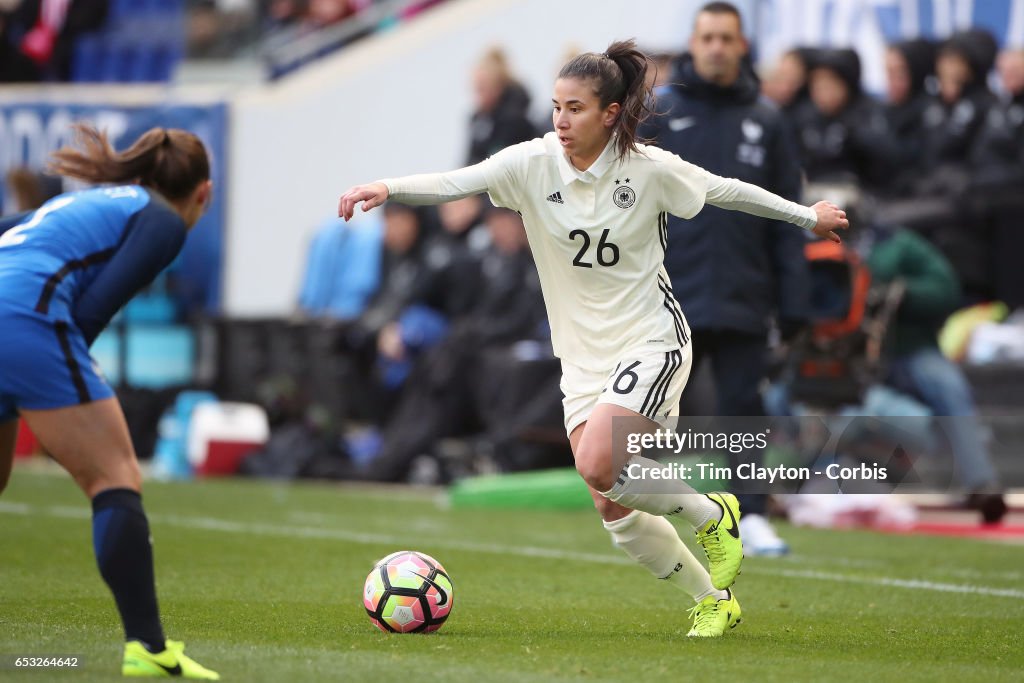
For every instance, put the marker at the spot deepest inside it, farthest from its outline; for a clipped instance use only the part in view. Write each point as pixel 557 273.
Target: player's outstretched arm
pixel 372 195
pixel 497 174
pixel 830 219
pixel 823 219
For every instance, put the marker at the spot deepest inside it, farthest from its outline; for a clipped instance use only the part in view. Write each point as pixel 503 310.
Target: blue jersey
pixel 81 256
pixel 65 270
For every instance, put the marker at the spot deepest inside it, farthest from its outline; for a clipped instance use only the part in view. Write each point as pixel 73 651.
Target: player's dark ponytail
pixel 171 161
pixel 619 75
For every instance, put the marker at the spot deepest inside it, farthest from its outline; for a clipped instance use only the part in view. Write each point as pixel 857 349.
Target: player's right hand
pixel 371 196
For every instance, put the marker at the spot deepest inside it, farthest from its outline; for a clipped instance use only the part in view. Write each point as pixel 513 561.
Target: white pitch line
pixel 289 531
pixel 893 582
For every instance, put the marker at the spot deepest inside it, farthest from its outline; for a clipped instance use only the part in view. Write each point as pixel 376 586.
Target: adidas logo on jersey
pixel 556 198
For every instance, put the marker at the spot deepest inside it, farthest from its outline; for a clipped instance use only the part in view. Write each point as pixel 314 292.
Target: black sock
pixel 120 537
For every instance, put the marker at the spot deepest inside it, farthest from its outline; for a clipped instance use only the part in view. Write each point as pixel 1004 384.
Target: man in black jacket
pixel 732 272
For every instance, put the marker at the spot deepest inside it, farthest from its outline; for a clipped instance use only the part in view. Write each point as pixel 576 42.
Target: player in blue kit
pixel 65 270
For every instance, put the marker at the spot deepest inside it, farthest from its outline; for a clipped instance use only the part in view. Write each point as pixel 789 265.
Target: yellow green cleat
pixel 138 661
pixel 721 541
pixel 713 617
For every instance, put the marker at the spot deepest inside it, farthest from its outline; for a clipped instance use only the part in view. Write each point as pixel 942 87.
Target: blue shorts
pixel 44 364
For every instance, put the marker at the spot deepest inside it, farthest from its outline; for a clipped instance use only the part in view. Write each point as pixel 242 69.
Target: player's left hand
pixel 830 218
pixel 371 196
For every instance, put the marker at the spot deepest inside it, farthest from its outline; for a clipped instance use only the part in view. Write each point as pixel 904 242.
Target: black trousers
pixel 738 365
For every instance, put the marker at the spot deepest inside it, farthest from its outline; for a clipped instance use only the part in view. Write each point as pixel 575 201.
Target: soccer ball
pixel 408 592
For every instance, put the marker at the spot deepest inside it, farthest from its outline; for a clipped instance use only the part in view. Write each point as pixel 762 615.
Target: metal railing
pixel 287 52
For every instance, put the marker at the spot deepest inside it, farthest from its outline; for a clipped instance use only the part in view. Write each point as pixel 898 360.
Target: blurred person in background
pixel 343 270
pixel 442 397
pixel 65 271
pixel 952 124
pixel 909 66
pixel 15 66
pixel 785 82
pixel 322 13
pixel 282 13
pixel 426 282
pixel 711 114
pixel 916 366
pixel 217 29
pixel 501 117
pixel 958 111
pixel 997 176
pixel 843 134
pixel 28 190
pixel 41 35
pixel 289 21
pixel 462 223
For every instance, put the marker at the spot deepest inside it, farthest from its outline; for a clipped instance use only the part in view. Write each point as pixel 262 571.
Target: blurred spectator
pixel 39 37
pixel 444 395
pixel 461 221
pixel 219 28
pixel 343 269
pixel 957 114
pixel 942 203
pixel 427 281
pixel 28 190
pixel 283 13
pixel 785 83
pixel 997 176
pixel 917 366
pixel 323 13
pixel 323 27
pixel 15 66
pixel 844 136
pixel 502 105
pixel 908 67
pixel 998 153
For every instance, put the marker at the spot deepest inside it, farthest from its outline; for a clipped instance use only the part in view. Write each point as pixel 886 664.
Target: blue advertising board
pixel 31 129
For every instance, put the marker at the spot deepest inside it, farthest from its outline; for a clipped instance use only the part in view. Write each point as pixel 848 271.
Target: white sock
pixel 660 496
pixel 653 542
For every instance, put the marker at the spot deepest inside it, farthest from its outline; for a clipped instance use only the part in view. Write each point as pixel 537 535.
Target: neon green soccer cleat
pixel 721 541
pixel 712 618
pixel 138 661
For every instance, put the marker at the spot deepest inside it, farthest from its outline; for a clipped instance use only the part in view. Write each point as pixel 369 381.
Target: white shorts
pixel 649 383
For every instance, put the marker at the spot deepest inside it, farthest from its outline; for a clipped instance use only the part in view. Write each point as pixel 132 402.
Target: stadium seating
pixel 143 42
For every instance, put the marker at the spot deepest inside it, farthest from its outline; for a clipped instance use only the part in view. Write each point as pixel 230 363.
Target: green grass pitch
pixel 262 581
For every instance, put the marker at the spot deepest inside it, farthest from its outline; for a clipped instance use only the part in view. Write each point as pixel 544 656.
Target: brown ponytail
pixel 619 75
pixel 171 161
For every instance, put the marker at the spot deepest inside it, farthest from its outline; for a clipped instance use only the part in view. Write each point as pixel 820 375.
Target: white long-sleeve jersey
pixel 598 236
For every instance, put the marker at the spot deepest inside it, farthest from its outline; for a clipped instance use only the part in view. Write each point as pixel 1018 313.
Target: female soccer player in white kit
pixel 594 203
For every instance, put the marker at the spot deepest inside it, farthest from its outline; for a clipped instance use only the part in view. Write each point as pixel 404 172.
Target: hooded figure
pixel 953 119
pixel 909 66
pixel 844 135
